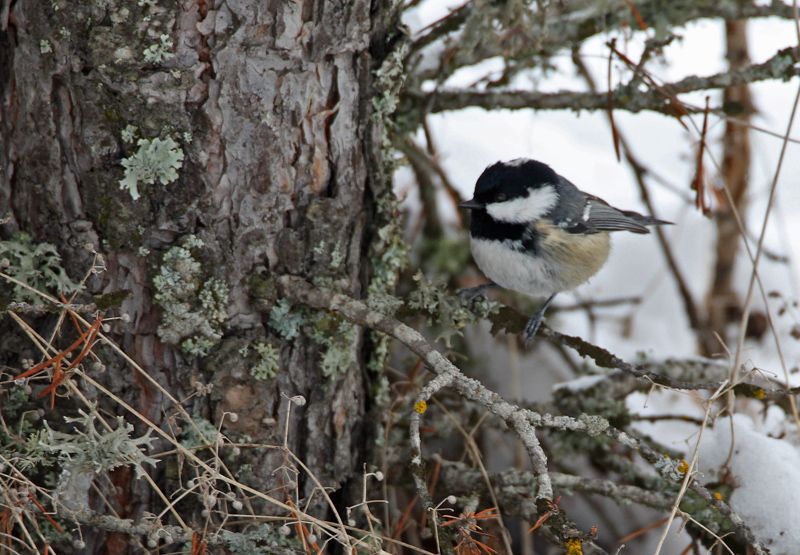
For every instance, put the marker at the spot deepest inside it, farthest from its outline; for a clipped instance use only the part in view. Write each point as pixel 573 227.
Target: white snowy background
pixel 579 146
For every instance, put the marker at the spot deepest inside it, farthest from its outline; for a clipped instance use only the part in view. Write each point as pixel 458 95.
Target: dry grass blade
pixel 553 508
pixel 614 133
pixel 698 183
pixel 636 15
pixel 675 107
pixel 49 518
pixel 643 530
pixel 467 524
pixel 86 339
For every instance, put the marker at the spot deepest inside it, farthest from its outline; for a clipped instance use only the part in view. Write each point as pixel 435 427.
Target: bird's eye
pixel 502 197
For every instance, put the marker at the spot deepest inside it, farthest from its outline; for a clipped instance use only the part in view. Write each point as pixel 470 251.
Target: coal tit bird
pixel 534 232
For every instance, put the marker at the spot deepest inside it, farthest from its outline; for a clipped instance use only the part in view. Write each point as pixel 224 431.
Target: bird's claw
pixel 531 328
pixel 535 322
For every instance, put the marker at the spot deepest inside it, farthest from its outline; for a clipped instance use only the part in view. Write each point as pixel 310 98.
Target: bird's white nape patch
pixel 517 162
pixel 524 209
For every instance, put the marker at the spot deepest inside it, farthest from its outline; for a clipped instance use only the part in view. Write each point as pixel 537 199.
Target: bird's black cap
pixel 513 179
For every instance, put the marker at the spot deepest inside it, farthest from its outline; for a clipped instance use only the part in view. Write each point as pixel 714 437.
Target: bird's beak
pixel 471 204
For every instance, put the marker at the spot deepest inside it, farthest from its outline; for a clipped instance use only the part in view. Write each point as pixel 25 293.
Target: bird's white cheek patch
pixel 525 209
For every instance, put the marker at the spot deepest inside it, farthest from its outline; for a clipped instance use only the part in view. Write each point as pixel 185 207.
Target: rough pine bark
pixel 271 105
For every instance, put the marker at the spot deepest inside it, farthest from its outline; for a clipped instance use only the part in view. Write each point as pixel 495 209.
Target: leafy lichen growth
pixel 263 540
pixel 389 80
pixel 155 159
pixel 389 255
pixel 99 451
pixel 670 468
pixel 384 303
pixel 37 265
pixel 129 133
pixel 267 366
pixel 45 47
pixel 82 454
pixel 202 434
pixel 388 252
pixel 449 313
pixel 284 321
pixel 159 51
pixel 340 339
pixel 195 309
pixel 336 256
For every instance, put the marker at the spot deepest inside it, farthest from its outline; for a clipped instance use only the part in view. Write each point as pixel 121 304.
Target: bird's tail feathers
pixel 646 220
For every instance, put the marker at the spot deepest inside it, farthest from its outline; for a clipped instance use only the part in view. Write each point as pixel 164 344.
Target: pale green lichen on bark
pixel 159 51
pixel 154 160
pixel 267 366
pixel 670 468
pixel 82 454
pixel 284 320
pixel 340 339
pixel 37 265
pixel 200 433
pixel 388 252
pixel 262 540
pixel 194 306
pixel 129 133
pixel 99 451
pixel 336 255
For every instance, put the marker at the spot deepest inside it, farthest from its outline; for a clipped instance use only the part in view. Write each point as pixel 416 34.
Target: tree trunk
pixel 722 302
pixel 270 106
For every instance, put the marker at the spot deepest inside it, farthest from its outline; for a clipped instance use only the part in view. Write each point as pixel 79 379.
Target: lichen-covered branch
pixel 511 487
pixel 157 533
pixel 783 65
pixel 667 374
pixel 685 374
pixel 524 422
pixel 564 26
pixel 448 374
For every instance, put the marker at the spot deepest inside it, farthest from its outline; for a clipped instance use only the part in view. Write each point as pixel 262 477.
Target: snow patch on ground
pixel 767 476
pixel 581 384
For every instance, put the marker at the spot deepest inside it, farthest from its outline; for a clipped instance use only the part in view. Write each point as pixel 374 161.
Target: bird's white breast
pixel 512 269
pixel 563 262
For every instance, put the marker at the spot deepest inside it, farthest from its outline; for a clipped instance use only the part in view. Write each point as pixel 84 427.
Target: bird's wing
pixel 598 215
pixel 586 214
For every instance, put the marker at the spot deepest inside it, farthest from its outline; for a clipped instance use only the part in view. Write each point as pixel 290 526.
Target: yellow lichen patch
pixel 420 407
pixel 574 547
